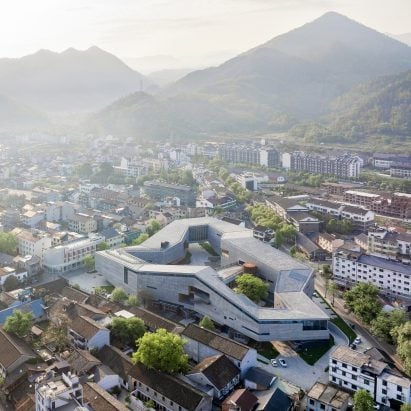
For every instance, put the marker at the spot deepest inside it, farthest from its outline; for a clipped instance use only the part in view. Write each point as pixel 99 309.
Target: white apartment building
pixel 82 223
pixel 391 277
pixel 32 242
pixel 6 272
pixel 70 256
pixel 58 392
pixel 31 218
pixel 352 370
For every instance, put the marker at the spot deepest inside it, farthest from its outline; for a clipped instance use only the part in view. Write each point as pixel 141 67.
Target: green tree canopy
pixel 102 246
pixel 405 407
pixel 127 330
pixel 402 336
pixel 207 323
pixel 384 324
pixel 8 243
pixel 140 239
pixel 252 287
pixel 132 301
pixel 89 262
pixel 363 401
pixel 118 295
pixel 163 351
pixel 11 283
pixel 19 323
pixel 153 227
pixel 362 300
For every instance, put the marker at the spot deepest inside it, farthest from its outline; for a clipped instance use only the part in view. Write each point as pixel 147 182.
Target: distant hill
pixel 69 81
pixel 291 78
pixel 168 76
pixel 17 116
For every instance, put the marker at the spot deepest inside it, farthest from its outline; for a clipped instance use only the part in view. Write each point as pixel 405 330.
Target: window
pixel 354 377
pixel 311 402
pixel 344 365
pixel 399 388
pixel 322 407
pixel 354 369
pixel 366 382
pixel 384 391
pixel 354 387
pixel 334 379
pixel 344 373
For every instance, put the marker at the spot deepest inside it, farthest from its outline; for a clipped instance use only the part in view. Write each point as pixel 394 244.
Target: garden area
pixel 312 351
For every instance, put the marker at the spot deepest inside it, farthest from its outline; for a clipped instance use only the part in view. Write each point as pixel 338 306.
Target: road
pixel 359 327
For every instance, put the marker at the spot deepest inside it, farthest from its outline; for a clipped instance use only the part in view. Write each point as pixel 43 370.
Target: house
pixel 32 242
pixel 276 400
pixel 361 218
pixel 203 343
pixel 263 233
pixel 217 372
pixel 304 222
pixel 329 242
pixel 352 370
pixel 96 398
pixel 309 248
pixel 13 353
pixel 82 223
pixel 86 333
pixel 6 272
pixel 258 379
pixel 240 400
pixel 112 237
pixel 326 397
pixel 283 206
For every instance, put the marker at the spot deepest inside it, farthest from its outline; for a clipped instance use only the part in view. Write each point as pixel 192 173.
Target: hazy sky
pixel 186 29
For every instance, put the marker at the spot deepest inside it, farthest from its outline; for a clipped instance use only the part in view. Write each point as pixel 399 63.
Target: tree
pixel 11 283
pixel 362 300
pixel 19 323
pixel 327 275
pixel 127 330
pixel 207 323
pixel 363 401
pixel 153 227
pixel 118 295
pixel 102 246
pixel 89 262
pixel 332 288
pixel 405 407
pixel 252 287
pixel 163 351
pixel 57 335
pixel 402 337
pixel 140 239
pixel 8 243
pixel 383 325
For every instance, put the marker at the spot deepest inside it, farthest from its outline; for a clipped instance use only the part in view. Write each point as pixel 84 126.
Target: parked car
pixel 274 362
pixel 315 294
pixel 353 346
pixel 357 340
pixel 282 362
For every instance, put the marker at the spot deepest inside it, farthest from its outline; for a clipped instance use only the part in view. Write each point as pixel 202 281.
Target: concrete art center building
pixel 152 267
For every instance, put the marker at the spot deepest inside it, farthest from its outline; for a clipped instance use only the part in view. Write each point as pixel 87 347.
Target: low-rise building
pixel 240 400
pixel 32 242
pixel 82 223
pixel 323 397
pixel 87 334
pixel 361 198
pixel 329 242
pixel 391 277
pixel 217 372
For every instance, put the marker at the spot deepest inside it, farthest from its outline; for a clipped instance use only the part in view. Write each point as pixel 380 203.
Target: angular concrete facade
pixel 201 289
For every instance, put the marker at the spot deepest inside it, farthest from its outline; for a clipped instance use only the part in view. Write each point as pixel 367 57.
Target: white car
pixel 274 362
pixel 282 362
pixel 357 340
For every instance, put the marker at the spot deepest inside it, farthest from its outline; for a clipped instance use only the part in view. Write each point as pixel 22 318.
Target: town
pixel 236 275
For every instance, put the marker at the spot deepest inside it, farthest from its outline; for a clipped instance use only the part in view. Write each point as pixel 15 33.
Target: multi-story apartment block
pixel 352 370
pixel 63 391
pixel 343 166
pixel 70 256
pixel 32 242
pixel 32 218
pixel 391 277
pixel 130 168
pixel 159 190
pixel 244 154
pixel 385 161
pixel 391 245
pixel 401 169
pixel 360 197
pixel 82 223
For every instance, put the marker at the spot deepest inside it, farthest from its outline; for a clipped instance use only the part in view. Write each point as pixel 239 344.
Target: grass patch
pixel 313 351
pixel 266 349
pixel 210 250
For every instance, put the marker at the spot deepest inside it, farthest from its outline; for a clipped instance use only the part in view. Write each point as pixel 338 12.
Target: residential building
pixel 258 379
pixel 338 189
pixel 96 398
pixel 329 242
pixel 244 154
pixel 32 218
pixel 87 334
pixel 309 248
pixel 34 243
pixel 13 353
pixel 130 168
pixel 251 181
pixel 240 400
pixel 304 222
pixel 343 166
pixel 323 397
pixel 352 370
pixel 391 277
pixel 62 391
pixel 284 206
pixel 82 223
pixel 6 272
pixel 112 237
pixel 385 160
pixel 263 233
pixel 361 198
pixel 324 207
pixel 203 343
pixel 401 169
pixel 159 190
pixel 217 372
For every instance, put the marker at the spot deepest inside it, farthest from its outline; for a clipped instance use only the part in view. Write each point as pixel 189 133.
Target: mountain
pixel 289 79
pixel 168 76
pixel 73 80
pixel 14 115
